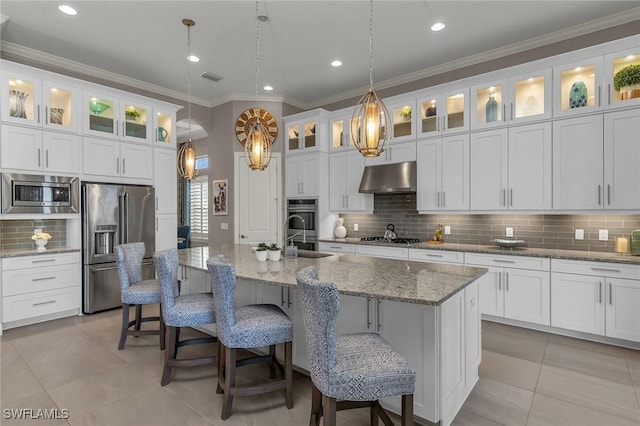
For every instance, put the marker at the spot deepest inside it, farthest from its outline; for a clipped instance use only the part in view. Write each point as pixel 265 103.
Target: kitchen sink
pixel 312 254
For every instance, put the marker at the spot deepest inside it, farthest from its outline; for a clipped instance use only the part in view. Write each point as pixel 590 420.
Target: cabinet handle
pixel 43 261
pixel 608 194
pixel 511 196
pixel 511 110
pixel 499 281
pixel 504 112
pixel 610 294
pixel 600 291
pixel 124 166
pixel 506 281
pixel 43 279
pixel 503 261
pixel 438 198
pixel 609 94
pixel 123 128
pixel 46 115
pixel 599 102
pixel 118 165
pixel 378 302
pixel 46 156
pixel 156 202
pixel 433 255
pixel 39 158
pixel 368 313
pixel 289 297
pixel 444 199
pixel 335 247
pixel 599 195
pixel 504 197
pixel 44 303
pixel 38 113
pixel 282 296
pixel 156 224
pixel 605 270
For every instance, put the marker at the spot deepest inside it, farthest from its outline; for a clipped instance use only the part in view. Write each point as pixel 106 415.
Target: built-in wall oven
pixel 302 223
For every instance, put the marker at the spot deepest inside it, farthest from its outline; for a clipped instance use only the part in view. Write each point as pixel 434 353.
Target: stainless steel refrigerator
pixel 113 214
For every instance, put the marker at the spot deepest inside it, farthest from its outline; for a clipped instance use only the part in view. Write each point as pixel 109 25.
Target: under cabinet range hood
pixel 389 178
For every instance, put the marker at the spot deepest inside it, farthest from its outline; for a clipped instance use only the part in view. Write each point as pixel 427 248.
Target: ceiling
pixel 144 43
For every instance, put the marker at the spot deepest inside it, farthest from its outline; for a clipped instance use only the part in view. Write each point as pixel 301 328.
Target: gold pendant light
pixel 187 152
pixel 370 119
pixel 257 147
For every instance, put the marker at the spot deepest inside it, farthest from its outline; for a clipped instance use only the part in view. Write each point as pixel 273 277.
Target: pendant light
pixel 257 147
pixel 187 152
pixel 370 119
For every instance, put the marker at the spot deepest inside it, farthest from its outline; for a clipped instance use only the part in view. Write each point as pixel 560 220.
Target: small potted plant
pixel 132 114
pixel 41 239
pixel 405 112
pixel 274 252
pixel 262 251
pixel 627 81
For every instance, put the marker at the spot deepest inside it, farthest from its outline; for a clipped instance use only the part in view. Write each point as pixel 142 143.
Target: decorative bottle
pixel 492 110
pixel 340 231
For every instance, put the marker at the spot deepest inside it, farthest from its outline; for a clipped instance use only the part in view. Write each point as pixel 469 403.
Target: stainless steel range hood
pixel 389 178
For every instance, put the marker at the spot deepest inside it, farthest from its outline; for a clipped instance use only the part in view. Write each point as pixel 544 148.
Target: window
pixel 199 201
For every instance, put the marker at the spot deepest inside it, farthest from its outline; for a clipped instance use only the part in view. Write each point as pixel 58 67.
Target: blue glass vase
pixel 492 110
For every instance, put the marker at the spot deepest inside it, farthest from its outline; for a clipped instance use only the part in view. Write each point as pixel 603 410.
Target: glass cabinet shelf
pixel 429 114
pixel 101 115
pixel 402 121
pixel 529 97
pixel 455 111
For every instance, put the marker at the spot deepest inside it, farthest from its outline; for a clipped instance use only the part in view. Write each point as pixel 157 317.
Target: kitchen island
pixel 428 312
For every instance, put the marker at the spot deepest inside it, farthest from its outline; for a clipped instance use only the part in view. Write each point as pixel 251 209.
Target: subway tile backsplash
pixel 16 234
pixel 548 231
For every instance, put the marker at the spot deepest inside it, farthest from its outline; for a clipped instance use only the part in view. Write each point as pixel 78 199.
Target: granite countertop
pixel 399 280
pixel 490 249
pixel 31 252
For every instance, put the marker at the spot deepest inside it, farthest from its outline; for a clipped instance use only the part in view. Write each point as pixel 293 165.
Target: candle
pixel 622 245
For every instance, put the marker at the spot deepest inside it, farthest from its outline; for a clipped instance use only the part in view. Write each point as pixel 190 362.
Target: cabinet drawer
pixel 383 251
pixel 436 256
pixel 40 260
pixel 23 281
pixel 337 248
pixel 519 262
pixel 601 269
pixel 44 303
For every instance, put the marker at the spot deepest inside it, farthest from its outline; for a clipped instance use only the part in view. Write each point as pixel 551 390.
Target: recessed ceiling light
pixel 268 88
pixel 193 58
pixel 336 63
pixel 65 8
pixel 438 26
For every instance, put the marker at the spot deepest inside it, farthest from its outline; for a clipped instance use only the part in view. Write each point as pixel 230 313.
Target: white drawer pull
pixel 605 270
pixel 43 260
pixel 433 255
pixel 44 303
pixel 336 247
pixel 504 261
pixel 43 279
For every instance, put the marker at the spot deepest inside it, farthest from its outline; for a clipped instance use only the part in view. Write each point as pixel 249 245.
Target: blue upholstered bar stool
pixel 136 291
pixel 352 370
pixel 186 310
pixel 247 327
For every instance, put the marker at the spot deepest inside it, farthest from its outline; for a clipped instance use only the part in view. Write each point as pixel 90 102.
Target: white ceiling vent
pixel 210 76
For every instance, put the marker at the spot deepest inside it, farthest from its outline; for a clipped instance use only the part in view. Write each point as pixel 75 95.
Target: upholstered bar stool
pixel 136 291
pixel 352 370
pixel 186 310
pixel 247 327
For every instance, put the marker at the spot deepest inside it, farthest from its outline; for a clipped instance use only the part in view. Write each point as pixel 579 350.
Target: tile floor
pixel 526 378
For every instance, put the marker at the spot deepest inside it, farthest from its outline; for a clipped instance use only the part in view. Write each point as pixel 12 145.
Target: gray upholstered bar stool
pixel 186 310
pixel 352 370
pixel 136 291
pixel 247 327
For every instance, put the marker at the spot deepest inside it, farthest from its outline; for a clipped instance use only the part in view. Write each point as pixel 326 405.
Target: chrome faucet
pixel 286 228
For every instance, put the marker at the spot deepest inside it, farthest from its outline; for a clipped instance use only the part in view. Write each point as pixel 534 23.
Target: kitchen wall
pixel 16 234
pixel 539 231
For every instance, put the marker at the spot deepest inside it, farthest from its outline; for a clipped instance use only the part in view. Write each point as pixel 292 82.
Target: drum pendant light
pixel 257 147
pixel 370 119
pixel 187 152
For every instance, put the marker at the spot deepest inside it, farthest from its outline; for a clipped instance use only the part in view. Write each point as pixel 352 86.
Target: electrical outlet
pixel 447 230
pixel 355 227
pixel 508 232
pixel 37 231
pixel 224 226
pixel 579 234
pixel 603 235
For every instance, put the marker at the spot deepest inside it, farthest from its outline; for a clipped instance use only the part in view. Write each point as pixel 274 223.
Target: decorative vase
pixel 491 110
pixel 340 231
pixel 261 255
pixel 55 115
pixel 635 243
pixel 40 244
pixel 431 111
pixel 16 104
pixel 578 95
pixel 274 255
pixel 630 92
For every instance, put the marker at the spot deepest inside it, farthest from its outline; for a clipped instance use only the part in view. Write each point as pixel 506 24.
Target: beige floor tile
pixel 194 419
pixel 588 346
pixel 466 417
pixel 37 416
pixel 6 347
pixel 17 382
pixel 546 411
pixel 499 402
pixel 514 341
pixel 589 391
pixel 510 370
pixel 43 332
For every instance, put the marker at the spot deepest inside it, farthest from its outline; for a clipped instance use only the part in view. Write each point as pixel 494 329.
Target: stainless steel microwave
pixel 39 194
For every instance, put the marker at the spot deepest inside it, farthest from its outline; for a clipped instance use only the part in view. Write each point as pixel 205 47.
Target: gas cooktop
pixel 396 240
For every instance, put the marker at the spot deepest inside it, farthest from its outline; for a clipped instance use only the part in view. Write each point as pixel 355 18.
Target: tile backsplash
pixel 551 231
pixel 16 234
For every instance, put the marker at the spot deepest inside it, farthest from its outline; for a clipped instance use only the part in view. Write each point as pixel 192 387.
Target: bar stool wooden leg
pixel 138 318
pixel 316 406
pixel 373 414
pixel 272 361
pixel 221 360
pixel 163 331
pixel 329 407
pixel 288 373
pixel 407 410
pixel 170 354
pixel 125 326
pixel 229 381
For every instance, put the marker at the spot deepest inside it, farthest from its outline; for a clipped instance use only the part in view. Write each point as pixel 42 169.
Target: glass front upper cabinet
pixel 429 122
pixel 456 111
pixel 164 125
pixel 576 87
pixel 443 113
pixel 625 65
pixel 402 119
pixel 60 106
pixel 340 133
pixel 301 136
pixel 101 115
pixel 488 104
pixel 136 121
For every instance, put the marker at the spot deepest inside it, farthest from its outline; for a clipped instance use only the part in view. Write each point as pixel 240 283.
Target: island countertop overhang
pixel 390 279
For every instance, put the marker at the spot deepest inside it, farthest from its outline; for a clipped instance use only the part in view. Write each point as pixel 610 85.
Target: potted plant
pixel 262 251
pixel 627 81
pixel 405 112
pixel 41 239
pixel 132 114
pixel 274 252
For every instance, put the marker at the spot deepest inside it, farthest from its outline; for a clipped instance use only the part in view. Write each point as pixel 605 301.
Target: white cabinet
pixel 511 169
pixel 165 127
pixel 444 111
pixel 395 153
pixel 39 288
pixel 515 287
pixel 34 100
pixel 613 63
pixel 621 160
pixel 165 181
pixel 109 115
pixel 345 173
pixel 337 247
pixel 109 158
pixel 598 298
pixel 577 87
pixel 436 256
pixel 303 174
pixel 306 131
pixel 382 251
pixel 577 163
pixel 403 115
pixel 25 148
pixel 443 174
pixel 166 234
